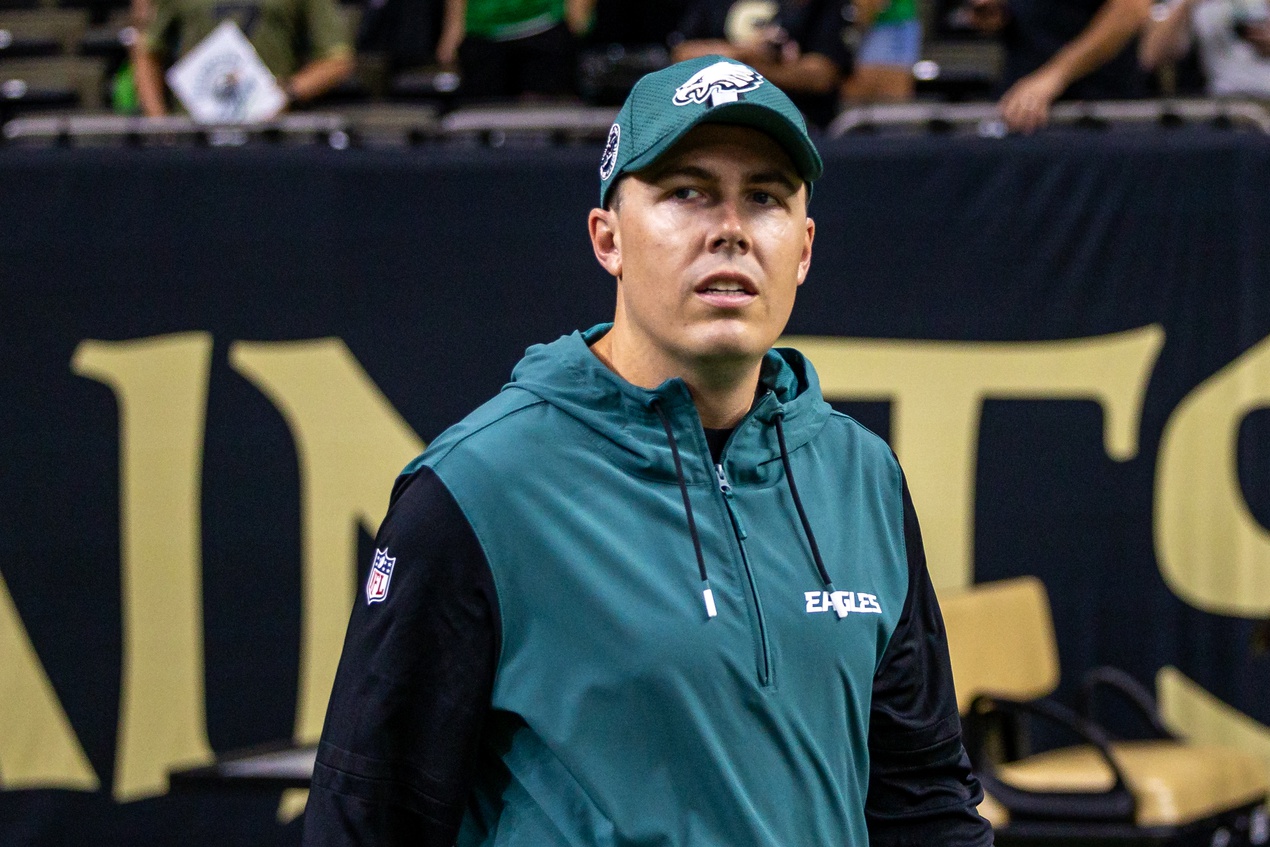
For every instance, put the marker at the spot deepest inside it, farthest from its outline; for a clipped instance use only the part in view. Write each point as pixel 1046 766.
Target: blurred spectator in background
pixel 801 46
pixel 627 39
pixel 513 48
pixel 403 32
pixel 1081 48
pixel 890 45
pixel 123 86
pixel 636 22
pixel 276 30
pixel 1233 40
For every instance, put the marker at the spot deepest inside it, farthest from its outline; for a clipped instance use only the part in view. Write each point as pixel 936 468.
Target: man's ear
pixel 804 263
pixel 606 240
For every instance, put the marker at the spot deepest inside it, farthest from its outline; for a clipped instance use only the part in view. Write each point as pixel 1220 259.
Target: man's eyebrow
pixel 692 171
pixel 695 172
pixel 778 177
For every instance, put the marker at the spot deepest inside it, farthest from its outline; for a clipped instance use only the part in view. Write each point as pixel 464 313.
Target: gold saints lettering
pixel 351 443
pixel 936 390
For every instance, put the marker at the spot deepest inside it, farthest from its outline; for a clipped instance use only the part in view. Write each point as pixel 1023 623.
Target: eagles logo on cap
pixel 720 83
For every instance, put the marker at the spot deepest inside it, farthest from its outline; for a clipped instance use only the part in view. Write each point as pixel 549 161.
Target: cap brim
pixel 792 139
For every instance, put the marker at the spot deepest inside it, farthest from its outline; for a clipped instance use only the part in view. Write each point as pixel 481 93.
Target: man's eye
pixel 685 193
pixel 764 198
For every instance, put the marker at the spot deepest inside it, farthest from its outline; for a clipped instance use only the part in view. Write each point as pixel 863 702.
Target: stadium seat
pixel 430 85
pixel 1161 791
pixel 111 39
pixel 40 32
pixel 51 82
pixel 17 44
pixel 959 70
pixel 350 91
pixel 98 11
pixel 532 124
pixel 607 74
pixel 391 124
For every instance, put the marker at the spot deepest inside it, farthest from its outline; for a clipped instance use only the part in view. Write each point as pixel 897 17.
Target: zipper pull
pixel 724 486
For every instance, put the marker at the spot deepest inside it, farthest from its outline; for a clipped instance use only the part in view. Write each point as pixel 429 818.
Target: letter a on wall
pixel 351 444
pixel 38 748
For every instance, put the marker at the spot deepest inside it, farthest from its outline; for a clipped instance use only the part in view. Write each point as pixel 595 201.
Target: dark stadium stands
pixel 63 55
pixel 59 59
pixel 54 58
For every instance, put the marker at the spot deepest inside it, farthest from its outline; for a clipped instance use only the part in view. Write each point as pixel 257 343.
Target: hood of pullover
pixel 566 374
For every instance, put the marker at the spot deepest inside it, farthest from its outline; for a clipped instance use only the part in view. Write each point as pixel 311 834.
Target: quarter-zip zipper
pixel 725 491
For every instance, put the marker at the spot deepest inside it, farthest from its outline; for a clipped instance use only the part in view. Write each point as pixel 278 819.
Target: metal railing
pixel 87 129
pixel 984 119
pixel 495 123
pixel 492 125
pixel 556 123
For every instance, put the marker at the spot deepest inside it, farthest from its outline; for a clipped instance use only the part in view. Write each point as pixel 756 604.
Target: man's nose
pixel 730 232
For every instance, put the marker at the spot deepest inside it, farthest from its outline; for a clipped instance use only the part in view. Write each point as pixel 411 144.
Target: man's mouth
pixel 727 290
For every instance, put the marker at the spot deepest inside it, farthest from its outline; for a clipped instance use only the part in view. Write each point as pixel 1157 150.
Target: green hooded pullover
pixel 661 659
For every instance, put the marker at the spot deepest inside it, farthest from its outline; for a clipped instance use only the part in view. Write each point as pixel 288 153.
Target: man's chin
pixel 727 349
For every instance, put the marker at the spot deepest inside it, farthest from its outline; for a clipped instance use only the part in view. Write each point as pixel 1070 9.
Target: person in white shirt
pixel 1233 38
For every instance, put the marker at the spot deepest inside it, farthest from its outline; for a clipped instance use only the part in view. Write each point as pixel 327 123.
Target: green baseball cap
pixel 665 104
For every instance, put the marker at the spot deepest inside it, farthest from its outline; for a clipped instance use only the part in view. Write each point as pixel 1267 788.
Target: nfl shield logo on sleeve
pixel 380 576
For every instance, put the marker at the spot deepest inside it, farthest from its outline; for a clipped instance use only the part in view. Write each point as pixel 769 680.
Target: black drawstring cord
pixel 706 593
pixel 798 503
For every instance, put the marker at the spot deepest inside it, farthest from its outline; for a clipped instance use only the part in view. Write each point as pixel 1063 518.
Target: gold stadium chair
pixel 1161 791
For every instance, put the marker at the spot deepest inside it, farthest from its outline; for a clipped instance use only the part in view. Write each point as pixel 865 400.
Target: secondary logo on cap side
pixel 609 160
pixel 719 83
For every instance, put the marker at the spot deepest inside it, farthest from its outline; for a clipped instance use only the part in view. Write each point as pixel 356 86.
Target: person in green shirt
pixel 303 43
pixel 513 48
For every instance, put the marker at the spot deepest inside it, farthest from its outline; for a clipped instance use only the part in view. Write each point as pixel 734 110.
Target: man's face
pixel 709 246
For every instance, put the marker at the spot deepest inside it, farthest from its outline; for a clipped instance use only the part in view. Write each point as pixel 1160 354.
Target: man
pixel 1082 49
pixel 513 48
pixel 275 28
pixel 801 46
pixel 1233 39
pixel 657 591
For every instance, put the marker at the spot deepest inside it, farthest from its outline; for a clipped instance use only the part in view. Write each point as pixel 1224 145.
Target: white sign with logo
pixel 222 80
